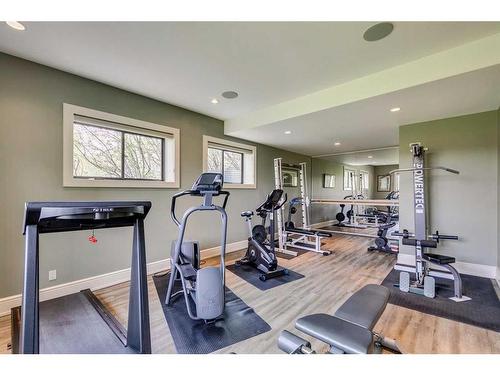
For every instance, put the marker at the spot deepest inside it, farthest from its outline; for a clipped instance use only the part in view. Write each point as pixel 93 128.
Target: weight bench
pixel 302 239
pixel 349 330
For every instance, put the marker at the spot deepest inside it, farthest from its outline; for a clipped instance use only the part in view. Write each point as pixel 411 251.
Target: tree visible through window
pixel 99 152
pixel 229 163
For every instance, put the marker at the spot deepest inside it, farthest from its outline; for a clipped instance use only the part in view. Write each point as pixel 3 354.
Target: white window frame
pixel 139 126
pixel 347 181
pixel 363 173
pixel 395 182
pixel 250 152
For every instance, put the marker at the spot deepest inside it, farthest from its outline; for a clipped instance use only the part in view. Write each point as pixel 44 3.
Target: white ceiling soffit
pixel 190 63
pixel 468 57
pixel 381 156
pixel 369 124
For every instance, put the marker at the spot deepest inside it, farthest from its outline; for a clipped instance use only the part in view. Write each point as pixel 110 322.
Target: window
pixel 349 178
pixel 105 150
pixel 396 182
pixel 236 161
pixel 364 178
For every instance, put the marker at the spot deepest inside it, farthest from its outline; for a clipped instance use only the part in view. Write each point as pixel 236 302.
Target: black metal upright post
pixel 30 311
pixel 138 332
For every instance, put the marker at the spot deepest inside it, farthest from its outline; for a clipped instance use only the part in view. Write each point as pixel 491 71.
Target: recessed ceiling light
pixel 16 25
pixel 395 109
pixel 214 101
pixel 288 132
pixel 337 144
pixel 378 31
pixel 370 157
pixel 230 94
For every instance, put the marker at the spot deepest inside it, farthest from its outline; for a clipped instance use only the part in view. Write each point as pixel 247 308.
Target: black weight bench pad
pixel 438 258
pixel 300 231
pixel 323 234
pixel 341 334
pixel 365 307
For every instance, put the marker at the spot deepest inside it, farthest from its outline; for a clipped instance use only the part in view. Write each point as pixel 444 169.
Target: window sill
pixel 74 182
pixel 239 186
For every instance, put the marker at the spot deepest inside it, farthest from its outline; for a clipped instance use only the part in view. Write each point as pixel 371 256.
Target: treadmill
pixel 79 322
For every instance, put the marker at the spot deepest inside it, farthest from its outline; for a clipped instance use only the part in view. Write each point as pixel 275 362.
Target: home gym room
pixel 240 188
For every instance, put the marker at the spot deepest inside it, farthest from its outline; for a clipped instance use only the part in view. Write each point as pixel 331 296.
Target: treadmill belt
pixel 71 325
pixel 483 310
pixel 251 275
pixel 239 322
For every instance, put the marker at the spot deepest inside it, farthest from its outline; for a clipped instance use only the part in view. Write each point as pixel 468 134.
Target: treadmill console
pixel 72 216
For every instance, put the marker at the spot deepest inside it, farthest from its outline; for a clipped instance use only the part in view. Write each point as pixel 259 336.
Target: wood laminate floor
pixel 329 281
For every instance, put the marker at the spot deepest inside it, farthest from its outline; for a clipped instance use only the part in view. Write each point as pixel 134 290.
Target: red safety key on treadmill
pixel 92 238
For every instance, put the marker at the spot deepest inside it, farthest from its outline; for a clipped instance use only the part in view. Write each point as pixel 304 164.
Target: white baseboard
pixel 474 269
pixel 108 279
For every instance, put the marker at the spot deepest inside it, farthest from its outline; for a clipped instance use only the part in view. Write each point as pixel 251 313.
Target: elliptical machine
pixel 260 252
pixel 202 286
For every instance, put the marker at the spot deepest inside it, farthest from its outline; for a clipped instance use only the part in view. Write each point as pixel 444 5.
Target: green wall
pixel 498 197
pixel 382 170
pixel 325 212
pixel 464 204
pixel 31 99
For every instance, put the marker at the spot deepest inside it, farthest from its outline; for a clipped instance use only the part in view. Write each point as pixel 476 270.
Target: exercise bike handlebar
pixel 281 202
pixel 195 193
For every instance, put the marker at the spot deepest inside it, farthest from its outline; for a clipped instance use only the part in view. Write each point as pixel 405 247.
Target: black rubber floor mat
pixel 251 275
pixel 483 310
pixel 239 322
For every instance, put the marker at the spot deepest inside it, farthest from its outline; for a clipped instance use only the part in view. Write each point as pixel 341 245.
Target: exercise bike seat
pixel 365 307
pixel 340 334
pixel 247 214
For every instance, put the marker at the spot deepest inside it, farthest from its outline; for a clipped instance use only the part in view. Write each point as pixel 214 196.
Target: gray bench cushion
pixel 348 337
pixel 365 307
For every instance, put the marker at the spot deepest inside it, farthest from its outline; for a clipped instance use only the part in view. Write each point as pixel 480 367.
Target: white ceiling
pixel 383 156
pixel 187 64
pixel 368 124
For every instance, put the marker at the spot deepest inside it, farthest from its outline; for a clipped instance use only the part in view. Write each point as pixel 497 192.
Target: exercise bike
pixel 260 252
pixel 340 216
pixel 203 287
pixel 382 242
